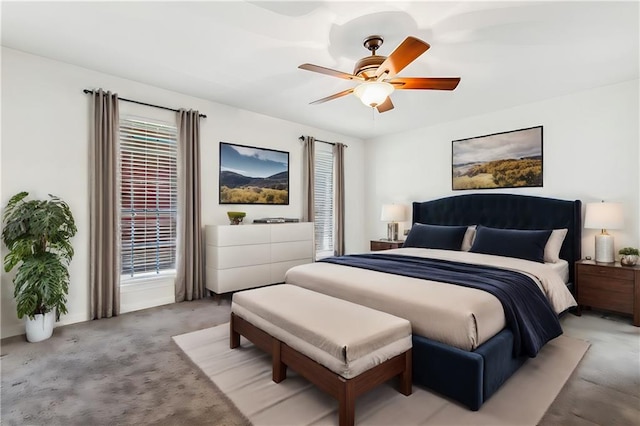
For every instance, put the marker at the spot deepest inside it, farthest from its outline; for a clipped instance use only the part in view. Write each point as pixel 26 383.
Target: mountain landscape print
pixel 502 160
pixel 251 175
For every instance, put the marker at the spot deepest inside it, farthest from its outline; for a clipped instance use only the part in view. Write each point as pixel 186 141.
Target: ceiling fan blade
pixel 329 71
pixel 386 105
pixel 404 54
pixel 332 97
pixel 431 83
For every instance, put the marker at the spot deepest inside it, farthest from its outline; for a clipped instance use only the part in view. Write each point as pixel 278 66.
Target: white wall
pixel 45 125
pixel 590 148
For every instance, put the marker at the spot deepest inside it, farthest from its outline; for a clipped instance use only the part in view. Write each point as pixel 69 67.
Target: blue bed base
pixel 467 377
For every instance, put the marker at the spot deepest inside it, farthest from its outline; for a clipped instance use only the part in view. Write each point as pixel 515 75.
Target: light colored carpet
pixel 244 375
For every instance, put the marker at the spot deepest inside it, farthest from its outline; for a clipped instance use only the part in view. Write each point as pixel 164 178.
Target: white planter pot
pixel 628 259
pixel 40 328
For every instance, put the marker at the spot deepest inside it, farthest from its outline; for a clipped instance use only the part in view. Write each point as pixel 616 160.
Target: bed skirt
pixel 467 377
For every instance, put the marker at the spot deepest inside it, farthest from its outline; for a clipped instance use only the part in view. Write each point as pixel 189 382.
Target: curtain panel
pixel 309 178
pixel 189 284
pixel 338 153
pixel 104 217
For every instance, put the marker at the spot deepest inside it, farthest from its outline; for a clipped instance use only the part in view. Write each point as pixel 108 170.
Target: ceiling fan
pixel 377 74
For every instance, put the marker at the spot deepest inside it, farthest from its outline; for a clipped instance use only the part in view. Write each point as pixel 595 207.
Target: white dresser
pixel 247 256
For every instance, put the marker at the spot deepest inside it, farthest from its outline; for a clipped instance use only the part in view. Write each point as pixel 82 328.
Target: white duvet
pixel 458 316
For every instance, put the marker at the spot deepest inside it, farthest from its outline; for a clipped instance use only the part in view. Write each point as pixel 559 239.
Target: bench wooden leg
pixel 347 404
pixel 406 375
pixel 234 336
pixel 279 370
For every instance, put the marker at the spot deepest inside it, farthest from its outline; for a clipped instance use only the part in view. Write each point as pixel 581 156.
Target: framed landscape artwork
pixel 501 160
pixel 251 175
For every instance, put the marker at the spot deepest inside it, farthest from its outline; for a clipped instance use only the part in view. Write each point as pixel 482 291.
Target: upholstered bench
pixel 343 348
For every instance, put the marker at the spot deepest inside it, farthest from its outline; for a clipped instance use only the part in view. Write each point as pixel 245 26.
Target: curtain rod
pixel 143 103
pixel 318 140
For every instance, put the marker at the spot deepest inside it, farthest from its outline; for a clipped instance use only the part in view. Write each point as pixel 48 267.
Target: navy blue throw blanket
pixel 528 313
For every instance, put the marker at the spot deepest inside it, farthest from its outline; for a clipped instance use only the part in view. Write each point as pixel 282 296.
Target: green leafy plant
pixel 629 251
pixel 37 234
pixel 233 215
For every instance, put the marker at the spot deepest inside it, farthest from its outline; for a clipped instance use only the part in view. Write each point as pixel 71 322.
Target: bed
pixel 471 369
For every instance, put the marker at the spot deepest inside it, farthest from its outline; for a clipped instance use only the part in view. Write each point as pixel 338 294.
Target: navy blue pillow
pixel 435 237
pixel 523 244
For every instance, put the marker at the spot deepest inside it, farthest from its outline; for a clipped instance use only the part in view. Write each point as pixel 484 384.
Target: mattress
pixel 458 316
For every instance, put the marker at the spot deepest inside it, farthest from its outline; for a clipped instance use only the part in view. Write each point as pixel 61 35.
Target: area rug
pixel 244 375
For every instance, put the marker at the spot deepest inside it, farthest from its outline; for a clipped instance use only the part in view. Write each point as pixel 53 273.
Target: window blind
pixel 148 158
pixel 323 198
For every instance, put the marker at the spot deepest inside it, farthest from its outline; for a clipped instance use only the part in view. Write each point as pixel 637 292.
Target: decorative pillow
pixel 554 244
pixel 435 236
pixel 522 244
pixel 469 235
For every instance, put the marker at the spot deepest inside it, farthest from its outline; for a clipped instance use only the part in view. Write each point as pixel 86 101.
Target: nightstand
pixel 610 287
pixel 385 245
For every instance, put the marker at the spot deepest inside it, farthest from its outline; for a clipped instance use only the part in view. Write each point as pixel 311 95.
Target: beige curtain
pixel 189 252
pixel 338 154
pixel 309 179
pixel 104 239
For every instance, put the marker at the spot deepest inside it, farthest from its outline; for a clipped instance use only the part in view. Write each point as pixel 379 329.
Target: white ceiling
pixel 245 53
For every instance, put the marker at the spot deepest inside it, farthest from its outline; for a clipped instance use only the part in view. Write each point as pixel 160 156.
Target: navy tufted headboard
pixel 509 211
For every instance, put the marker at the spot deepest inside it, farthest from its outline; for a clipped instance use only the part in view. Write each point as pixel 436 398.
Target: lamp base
pixel 392 231
pixel 604 249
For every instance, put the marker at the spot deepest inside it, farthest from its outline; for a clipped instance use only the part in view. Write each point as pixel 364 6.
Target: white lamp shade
pixel 393 213
pixel 373 93
pixel 603 216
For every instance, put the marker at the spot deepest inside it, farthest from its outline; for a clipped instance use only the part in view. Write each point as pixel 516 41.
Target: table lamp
pixel 604 216
pixel 392 213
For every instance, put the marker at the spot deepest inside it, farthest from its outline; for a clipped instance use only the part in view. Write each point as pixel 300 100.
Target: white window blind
pixel 149 198
pixel 323 198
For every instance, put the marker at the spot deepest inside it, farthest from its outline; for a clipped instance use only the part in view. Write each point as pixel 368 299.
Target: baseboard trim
pixel 72 319
pixel 16 329
pixel 12 330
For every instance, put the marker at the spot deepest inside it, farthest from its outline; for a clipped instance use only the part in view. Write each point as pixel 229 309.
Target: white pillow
pixel 553 246
pixel 467 240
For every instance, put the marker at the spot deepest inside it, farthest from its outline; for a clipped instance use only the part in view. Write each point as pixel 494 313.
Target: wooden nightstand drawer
pixel 385 245
pixel 606 293
pixel 604 271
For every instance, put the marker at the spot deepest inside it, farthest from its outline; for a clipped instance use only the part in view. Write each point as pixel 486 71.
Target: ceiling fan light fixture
pixel 373 93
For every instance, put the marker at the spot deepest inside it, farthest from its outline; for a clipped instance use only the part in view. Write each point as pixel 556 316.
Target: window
pixel 149 198
pixel 323 198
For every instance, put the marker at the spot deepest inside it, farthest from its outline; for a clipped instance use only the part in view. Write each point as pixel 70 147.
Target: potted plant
pixel 235 218
pixel 629 256
pixel 37 234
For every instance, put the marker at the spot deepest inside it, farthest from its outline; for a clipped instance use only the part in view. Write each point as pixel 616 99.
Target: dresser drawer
pixel 604 271
pixel 283 232
pixel 606 293
pixel 236 256
pixel 282 252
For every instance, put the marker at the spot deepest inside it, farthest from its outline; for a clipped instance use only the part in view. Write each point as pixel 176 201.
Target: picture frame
pixel 253 175
pixel 510 159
